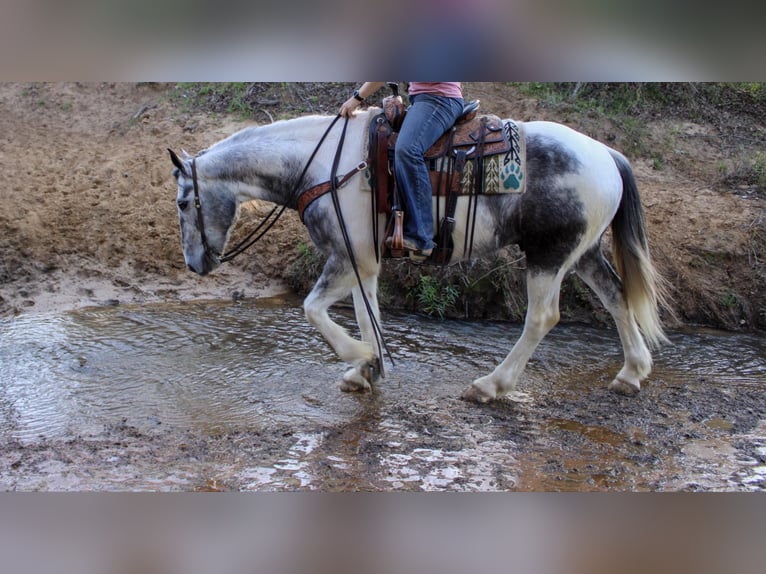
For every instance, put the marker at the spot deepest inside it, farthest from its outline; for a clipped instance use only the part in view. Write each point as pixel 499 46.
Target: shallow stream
pixel 256 368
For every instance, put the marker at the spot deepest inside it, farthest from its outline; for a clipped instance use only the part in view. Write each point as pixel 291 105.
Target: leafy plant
pixel 434 297
pixel 729 300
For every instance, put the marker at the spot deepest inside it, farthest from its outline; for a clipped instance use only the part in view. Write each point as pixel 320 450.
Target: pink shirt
pixel 448 89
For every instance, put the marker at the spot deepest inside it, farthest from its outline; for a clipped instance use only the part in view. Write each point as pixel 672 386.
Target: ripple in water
pixel 251 365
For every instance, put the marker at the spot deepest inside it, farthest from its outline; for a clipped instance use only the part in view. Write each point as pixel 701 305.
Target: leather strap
pixel 308 196
pixel 383 178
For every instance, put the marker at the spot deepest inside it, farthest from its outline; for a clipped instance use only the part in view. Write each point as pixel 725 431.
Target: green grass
pixel 729 300
pixel 434 297
pixel 228 98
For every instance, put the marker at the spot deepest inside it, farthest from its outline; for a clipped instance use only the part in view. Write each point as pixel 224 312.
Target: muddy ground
pixel 88 218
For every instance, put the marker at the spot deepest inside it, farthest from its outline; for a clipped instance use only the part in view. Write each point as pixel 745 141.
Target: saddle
pixel 455 165
pixel 478 155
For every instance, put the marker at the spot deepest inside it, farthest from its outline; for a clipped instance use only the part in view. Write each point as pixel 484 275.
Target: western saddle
pixel 472 138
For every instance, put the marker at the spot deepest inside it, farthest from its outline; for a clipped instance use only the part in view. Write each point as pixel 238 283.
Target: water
pixel 212 368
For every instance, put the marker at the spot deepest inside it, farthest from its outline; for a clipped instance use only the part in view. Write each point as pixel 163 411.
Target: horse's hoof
pixel 355 382
pixel 624 387
pixel 371 370
pixel 354 386
pixel 475 395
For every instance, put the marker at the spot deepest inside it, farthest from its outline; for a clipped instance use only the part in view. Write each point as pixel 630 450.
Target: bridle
pixel 198 206
pixel 266 224
pixel 251 238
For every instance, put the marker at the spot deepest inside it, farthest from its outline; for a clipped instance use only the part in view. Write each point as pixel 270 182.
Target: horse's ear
pixel 177 161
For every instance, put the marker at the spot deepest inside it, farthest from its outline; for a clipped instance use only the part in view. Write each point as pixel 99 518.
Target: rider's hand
pixel 348 107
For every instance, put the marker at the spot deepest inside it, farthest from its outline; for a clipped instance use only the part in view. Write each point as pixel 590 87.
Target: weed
pixel 434 297
pixel 547 93
pixel 503 275
pixel 247 100
pixel 759 169
pixel 746 171
pixel 305 270
pixel 729 300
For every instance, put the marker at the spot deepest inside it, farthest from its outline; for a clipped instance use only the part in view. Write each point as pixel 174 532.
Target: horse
pixel 576 188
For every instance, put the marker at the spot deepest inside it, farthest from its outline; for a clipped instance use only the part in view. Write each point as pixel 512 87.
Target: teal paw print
pixel 512 176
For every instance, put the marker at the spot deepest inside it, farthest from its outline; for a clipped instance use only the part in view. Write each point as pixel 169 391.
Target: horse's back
pixel 555 149
pixel 554 136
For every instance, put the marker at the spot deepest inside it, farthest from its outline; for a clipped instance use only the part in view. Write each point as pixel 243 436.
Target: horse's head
pixel 206 212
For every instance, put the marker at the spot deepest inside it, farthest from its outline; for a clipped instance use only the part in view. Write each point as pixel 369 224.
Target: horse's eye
pixel 182 204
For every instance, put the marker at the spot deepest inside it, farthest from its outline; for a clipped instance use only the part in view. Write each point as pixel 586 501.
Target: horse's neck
pixel 267 162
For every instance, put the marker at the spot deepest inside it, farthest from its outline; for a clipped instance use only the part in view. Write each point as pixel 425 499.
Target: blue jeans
pixel 427 119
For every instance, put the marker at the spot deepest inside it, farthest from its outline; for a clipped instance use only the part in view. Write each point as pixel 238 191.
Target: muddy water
pixel 249 392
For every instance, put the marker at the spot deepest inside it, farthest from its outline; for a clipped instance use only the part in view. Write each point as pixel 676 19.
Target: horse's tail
pixel 644 288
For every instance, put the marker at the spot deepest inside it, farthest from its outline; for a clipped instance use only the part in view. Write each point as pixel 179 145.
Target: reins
pixel 379 340
pixel 268 222
pixel 247 242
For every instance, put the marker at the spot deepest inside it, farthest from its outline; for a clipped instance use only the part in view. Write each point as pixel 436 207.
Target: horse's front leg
pixel 335 283
pixel 359 377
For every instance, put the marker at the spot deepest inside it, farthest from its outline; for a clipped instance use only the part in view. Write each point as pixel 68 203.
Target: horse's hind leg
pixel 542 316
pixel 599 276
pixel 335 283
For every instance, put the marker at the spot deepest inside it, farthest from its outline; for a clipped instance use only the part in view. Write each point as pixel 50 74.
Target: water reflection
pixel 253 366
pixel 219 367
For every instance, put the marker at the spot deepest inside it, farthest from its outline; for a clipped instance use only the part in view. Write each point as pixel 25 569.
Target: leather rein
pixel 268 222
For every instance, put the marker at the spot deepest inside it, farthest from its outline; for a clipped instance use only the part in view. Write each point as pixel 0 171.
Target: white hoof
pixel 355 382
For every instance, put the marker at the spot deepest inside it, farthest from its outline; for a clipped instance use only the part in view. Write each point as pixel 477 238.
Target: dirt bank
pixel 88 215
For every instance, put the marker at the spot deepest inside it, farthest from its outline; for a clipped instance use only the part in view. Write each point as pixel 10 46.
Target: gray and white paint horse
pixel 576 188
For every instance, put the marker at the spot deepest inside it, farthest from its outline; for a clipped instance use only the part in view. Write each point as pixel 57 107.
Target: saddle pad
pixel 504 172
